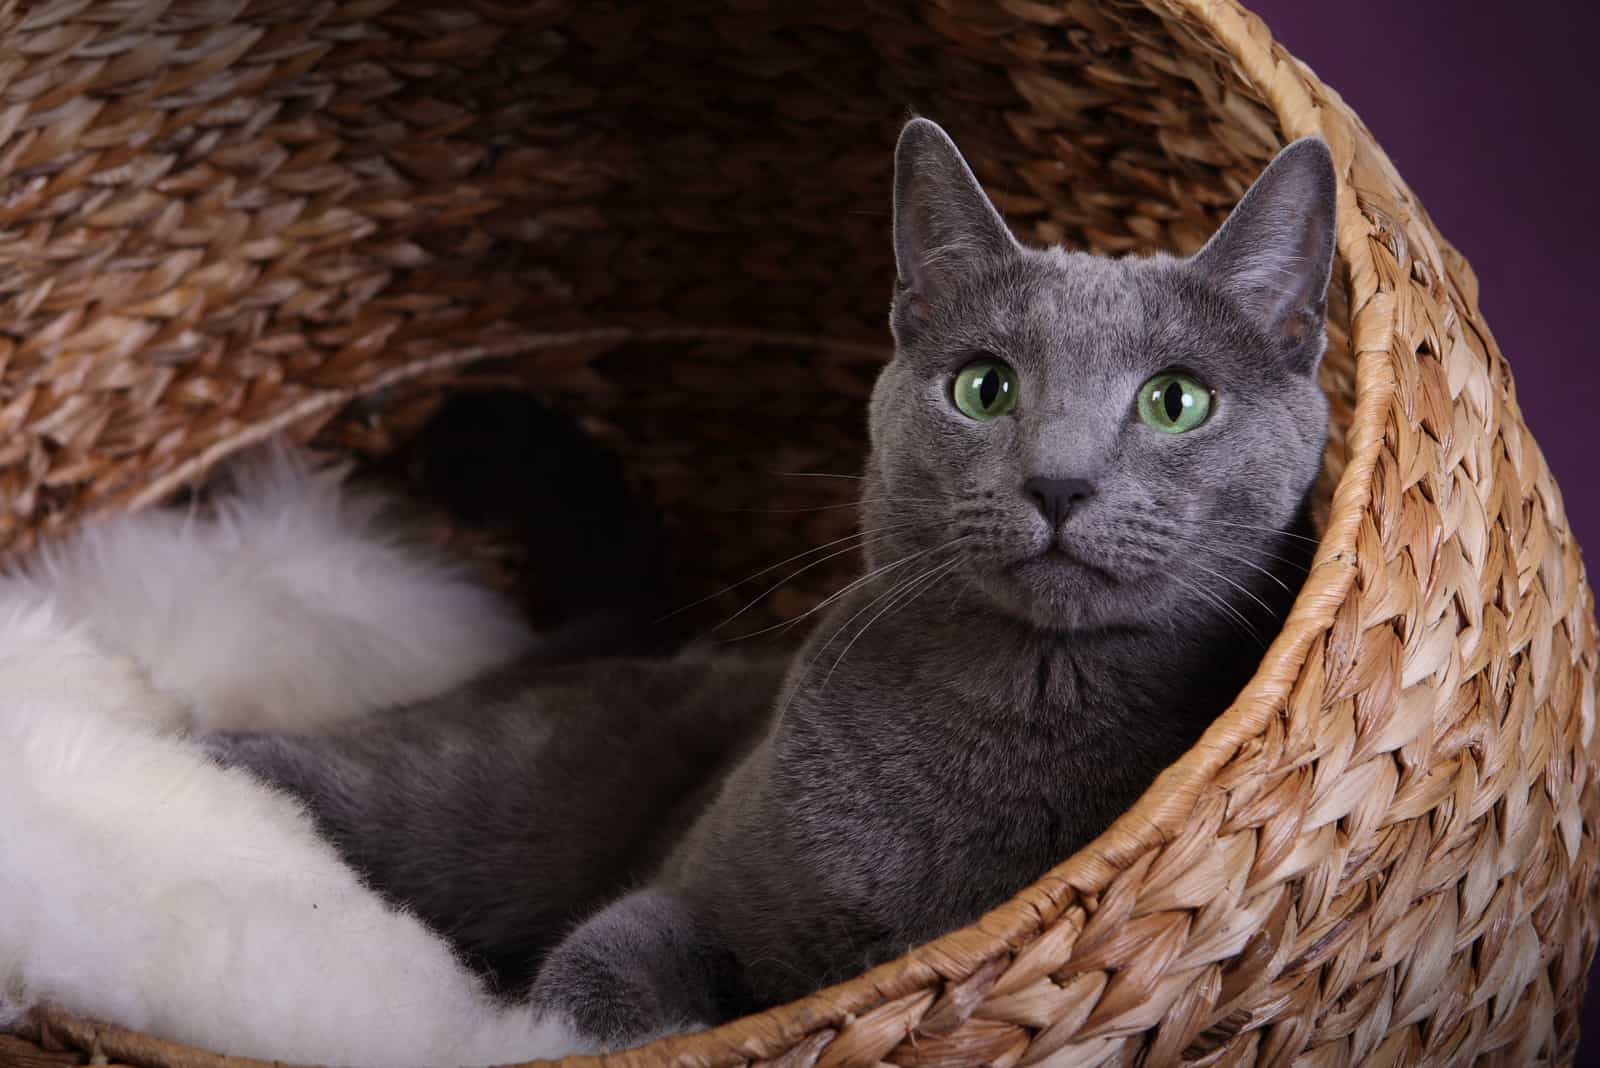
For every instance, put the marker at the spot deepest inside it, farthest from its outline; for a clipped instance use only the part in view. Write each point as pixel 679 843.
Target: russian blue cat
pixel 1087 489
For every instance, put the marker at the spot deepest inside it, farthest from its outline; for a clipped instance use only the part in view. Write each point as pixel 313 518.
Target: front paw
pixel 610 1005
pixel 641 968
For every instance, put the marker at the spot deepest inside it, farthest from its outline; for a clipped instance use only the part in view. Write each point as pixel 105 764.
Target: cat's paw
pixel 638 970
pixel 607 1006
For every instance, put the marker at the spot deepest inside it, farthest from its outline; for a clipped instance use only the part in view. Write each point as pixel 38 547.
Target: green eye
pixel 985 389
pixel 1174 403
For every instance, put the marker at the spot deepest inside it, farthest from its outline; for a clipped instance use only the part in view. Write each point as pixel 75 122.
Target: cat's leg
pixel 287 761
pixel 643 967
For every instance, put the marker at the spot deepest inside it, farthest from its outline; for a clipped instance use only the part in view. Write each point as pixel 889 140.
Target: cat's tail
pixel 290 602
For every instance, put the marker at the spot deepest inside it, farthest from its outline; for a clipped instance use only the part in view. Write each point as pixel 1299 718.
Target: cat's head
pixel 1087 442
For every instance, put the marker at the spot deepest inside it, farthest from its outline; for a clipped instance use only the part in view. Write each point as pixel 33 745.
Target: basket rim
pixel 902 985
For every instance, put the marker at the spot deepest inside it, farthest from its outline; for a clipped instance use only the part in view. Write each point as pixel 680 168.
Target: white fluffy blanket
pixel 144 885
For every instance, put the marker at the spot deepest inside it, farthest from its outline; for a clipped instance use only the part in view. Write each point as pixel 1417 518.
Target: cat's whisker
pixel 815 474
pixel 1238 586
pixel 764 594
pixel 922 584
pixel 1238 619
pixel 832 507
pixel 1204 547
pixel 1257 527
pixel 832 597
pixel 898 586
pixel 886 593
pixel 773 567
pixel 1300 566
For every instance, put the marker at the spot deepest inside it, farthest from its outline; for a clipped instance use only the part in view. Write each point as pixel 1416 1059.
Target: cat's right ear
pixel 945 228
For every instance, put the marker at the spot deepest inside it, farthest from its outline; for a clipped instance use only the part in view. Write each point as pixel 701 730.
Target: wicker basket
pixel 225 219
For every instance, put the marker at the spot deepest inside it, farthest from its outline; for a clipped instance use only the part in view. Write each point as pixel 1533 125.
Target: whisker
pixel 773 567
pixel 922 583
pixel 853 584
pixel 764 594
pixel 832 507
pixel 1241 621
pixel 1300 566
pixel 841 629
pixel 1253 526
pixel 886 593
pixel 1239 560
pixel 814 474
pixel 1242 589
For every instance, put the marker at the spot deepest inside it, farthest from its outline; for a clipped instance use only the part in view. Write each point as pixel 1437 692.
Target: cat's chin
pixel 1055 590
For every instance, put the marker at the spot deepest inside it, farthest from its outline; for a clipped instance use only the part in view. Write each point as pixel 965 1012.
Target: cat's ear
pixel 945 228
pixel 1274 254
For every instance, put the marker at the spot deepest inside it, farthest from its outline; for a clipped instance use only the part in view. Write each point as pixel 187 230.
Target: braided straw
pixel 222 217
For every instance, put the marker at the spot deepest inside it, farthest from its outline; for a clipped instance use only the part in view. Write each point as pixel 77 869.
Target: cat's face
pixel 1088 442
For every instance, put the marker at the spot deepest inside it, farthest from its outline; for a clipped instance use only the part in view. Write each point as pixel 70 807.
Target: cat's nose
pixel 1056 497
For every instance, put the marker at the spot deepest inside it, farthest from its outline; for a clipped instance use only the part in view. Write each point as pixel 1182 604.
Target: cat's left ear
pixel 1274 254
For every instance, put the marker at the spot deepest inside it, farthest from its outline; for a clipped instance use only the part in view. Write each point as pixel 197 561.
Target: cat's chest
pixel 973 708
pixel 1001 756
pixel 1010 750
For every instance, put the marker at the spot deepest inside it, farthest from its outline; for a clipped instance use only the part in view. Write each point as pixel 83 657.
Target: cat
pixel 1088 490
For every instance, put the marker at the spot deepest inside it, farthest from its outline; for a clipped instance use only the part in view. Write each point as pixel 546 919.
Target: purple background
pixel 1488 111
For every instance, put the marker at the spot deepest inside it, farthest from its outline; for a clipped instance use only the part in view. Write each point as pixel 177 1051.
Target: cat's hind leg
pixel 289 762
pixel 641 968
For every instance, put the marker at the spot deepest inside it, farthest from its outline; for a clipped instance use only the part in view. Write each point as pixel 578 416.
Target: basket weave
pixel 225 218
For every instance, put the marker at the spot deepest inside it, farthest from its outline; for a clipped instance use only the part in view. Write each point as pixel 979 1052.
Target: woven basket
pixel 226 218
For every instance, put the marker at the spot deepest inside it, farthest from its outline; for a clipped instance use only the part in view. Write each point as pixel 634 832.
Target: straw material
pixel 225 217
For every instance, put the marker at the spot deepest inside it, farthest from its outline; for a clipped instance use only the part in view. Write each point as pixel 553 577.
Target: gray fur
pixel 996 690
pixel 506 811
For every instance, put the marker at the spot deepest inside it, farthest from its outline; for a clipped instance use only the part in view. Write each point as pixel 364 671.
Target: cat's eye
pixel 985 388
pixel 1174 402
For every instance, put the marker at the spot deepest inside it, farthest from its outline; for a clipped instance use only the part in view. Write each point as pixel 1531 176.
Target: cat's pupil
pixel 1172 401
pixel 989 388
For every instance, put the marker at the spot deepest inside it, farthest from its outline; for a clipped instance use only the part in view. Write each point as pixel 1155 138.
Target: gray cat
pixel 1089 480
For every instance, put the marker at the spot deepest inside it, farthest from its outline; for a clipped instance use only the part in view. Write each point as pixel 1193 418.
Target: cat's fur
pixel 506 811
pixel 992 694
pixel 142 884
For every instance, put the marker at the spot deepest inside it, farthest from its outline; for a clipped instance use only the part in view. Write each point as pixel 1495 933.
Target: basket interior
pixel 715 185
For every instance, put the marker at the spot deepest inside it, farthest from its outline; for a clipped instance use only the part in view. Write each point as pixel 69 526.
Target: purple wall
pixel 1488 110
pixel 1489 113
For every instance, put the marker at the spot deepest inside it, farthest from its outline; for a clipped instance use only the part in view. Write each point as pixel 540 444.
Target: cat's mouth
pixel 1056 558
pixel 1056 588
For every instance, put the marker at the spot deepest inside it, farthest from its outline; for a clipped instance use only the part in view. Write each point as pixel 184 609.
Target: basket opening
pixel 698 177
